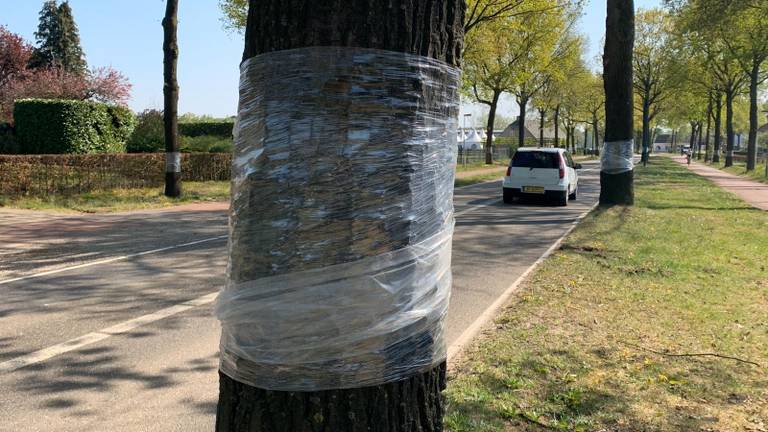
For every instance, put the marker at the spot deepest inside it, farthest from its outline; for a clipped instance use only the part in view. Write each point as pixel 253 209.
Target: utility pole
pixel 171 100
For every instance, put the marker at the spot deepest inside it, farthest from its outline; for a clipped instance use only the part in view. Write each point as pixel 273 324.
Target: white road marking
pixel 110 260
pixel 126 326
pixel 491 311
pixel 91 338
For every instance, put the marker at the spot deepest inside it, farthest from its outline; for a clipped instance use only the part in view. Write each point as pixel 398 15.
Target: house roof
pixel 662 138
pixel 531 130
pixel 763 128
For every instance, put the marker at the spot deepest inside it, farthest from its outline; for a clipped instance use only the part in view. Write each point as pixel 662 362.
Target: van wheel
pixel 563 199
pixel 508 197
pixel 572 196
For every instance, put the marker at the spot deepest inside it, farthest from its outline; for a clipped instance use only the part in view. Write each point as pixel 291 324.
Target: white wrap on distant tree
pixel 341 219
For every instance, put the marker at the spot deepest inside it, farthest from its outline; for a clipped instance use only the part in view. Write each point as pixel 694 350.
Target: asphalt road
pixel 98 335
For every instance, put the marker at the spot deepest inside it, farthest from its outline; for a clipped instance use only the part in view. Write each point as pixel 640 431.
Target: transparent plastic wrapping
pixel 341 219
pixel 617 157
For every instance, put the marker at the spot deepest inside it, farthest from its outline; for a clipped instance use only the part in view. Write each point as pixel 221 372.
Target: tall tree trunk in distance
pixel 699 138
pixel 573 138
pixel 586 135
pixel 557 126
pixel 754 82
pixel 542 112
pixel 692 139
pixel 729 138
pixel 568 139
pixel 418 27
pixel 522 101
pixel 718 127
pixel 489 127
pixel 171 100
pixel 707 150
pixel 646 131
pixel 618 188
pixel 595 136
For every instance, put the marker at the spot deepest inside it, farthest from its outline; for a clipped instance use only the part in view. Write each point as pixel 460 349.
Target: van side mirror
pixel 578 166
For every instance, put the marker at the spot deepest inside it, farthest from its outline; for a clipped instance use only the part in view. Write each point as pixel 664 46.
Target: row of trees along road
pixel 695 59
pixel 548 55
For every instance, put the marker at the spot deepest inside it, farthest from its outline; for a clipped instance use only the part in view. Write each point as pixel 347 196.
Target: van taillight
pixel 562 168
pixel 509 169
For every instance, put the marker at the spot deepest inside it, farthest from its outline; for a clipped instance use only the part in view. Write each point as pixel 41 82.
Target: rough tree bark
pixel 646 136
pixel 586 129
pixel 421 27
pixel 617 80
pixel 522 101
pixel 494 103
pixel 171 100
pixel 542 113
pixel 729 132
pixel 718 127
pixel 707 150
pixel 754 82
pixel 556 120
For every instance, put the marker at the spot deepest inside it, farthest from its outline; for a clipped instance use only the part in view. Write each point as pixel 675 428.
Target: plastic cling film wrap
pixel 173 162
pixel 617 157
pixel 341 219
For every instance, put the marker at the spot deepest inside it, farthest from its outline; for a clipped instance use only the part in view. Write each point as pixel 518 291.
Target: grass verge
pixel 480 165
pixel 740 169
pixel 122 199
pixel 598 337
pixel 466 181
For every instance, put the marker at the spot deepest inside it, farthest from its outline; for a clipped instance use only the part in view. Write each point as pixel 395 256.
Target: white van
pixel 548 172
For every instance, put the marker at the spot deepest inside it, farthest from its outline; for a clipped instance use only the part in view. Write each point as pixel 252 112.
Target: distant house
pixel 531 131
pixel 662 143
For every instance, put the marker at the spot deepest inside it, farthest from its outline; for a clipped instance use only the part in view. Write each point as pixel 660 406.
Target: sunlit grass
pixel 122 199
pixel 684 271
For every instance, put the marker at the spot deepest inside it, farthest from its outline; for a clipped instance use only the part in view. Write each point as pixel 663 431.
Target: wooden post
pixel 171 100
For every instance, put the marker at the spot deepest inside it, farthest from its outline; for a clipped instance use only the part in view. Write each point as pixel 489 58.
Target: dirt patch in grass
pixel 649 318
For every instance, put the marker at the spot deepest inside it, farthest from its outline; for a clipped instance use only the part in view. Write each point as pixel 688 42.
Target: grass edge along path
pixel 600 336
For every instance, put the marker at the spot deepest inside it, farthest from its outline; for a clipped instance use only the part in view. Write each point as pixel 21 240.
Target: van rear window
pixel 536 159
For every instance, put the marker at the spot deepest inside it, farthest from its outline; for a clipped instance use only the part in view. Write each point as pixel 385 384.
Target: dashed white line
pixel 91 338
pixel 109 260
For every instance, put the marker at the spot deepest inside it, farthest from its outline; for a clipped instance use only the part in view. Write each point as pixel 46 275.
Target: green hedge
pixel 71 126
pixel 196 129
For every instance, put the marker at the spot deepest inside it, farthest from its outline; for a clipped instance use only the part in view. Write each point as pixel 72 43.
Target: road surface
pixel 106 322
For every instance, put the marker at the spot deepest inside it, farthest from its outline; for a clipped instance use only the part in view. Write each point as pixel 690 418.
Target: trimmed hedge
pixel 43 175
pixel 196 129
pixel 49 126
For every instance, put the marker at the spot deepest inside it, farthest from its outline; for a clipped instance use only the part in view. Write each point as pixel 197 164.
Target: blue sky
pixel 127 36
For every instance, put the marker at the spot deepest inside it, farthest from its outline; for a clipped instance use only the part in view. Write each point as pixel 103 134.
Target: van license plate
pixel 533 189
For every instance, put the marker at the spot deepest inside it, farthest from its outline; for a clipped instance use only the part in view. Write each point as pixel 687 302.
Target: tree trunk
pixel 595 136
pixel 646 131
pixel 523 103
pixel 707 150
pixel 573 138
pixel 557 126
pixel 692 139
pixel 489 128
pixel 617 187
pixel 542 113
pixel 729 139
pixel 171 100
pixel 718 127
pixel 698 139
pixel 417 27
pixel 586 136
pixel 754 81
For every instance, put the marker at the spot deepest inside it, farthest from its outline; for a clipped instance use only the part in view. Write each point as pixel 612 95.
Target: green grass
pixel 683 271
pixel 480 165
pixel 122 199
pixel 466 181
pixel 740 168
